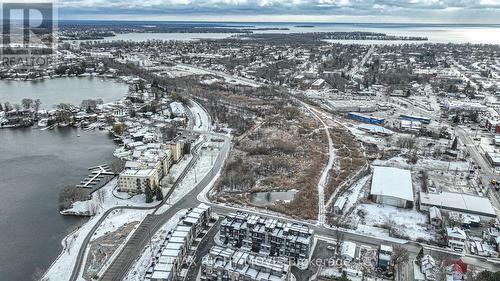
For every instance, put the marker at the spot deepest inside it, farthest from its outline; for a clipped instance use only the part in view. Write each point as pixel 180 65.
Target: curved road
pixel 83 248
pixel 134 247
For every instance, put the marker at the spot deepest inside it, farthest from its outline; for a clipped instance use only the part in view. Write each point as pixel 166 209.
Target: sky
pixel 378 11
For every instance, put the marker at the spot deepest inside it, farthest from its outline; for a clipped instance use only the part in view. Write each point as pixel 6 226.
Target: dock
pixel 97 176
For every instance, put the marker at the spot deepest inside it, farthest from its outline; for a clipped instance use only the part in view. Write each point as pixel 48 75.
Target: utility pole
pixel 195 178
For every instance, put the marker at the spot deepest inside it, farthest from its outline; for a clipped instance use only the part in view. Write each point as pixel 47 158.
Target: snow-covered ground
pixel 354 192
pixel 105 198
pixel 117 219
pixel 112 223
pixel 424 164
pixel 405 222
pixel 186 70
pixel 202 122
pixel 102 201
pixel 139 268
pixel 195 174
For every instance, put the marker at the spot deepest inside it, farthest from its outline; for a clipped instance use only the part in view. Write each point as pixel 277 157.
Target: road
pixel 486 173
pixel 125 259
pixel 81 252
pixel 354 70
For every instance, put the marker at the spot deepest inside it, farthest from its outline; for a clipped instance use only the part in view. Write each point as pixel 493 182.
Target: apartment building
pixel 176 149
pixel 136 180
pixel 146 166
pixel 172 254
pixel 226 264
pixel 266 236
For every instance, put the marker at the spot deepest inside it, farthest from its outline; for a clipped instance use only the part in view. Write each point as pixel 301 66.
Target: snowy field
pixel 186 70
pixel 424 164
pixel 354 193
pixel 403 222
pixel 195 174
pixel 117 219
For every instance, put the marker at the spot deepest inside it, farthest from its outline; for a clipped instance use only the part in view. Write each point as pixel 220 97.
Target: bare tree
pixel 117 165
pixel 100 195
pixel 400 256
pixel 339 237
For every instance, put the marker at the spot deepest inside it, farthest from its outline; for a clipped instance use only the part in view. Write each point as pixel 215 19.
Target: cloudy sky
pixel 422 11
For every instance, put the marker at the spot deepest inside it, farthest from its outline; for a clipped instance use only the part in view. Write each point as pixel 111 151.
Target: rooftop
pixel 393 182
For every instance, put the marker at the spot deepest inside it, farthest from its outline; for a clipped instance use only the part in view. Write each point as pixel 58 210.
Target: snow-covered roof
pixel 459 202
pixel 348 249
pixel 456 233
pixel 393 182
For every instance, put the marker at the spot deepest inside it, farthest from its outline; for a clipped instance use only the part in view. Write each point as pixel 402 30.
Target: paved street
pixel 134 247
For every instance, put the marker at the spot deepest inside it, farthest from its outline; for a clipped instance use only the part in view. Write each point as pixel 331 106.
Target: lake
pixel 174 36
pixel 62 90
pixel 436 33
pixel 35 165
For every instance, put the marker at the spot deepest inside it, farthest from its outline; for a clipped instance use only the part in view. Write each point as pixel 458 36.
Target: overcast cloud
pixel 439 11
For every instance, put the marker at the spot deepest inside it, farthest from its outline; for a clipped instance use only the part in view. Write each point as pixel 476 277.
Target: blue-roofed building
pixel 366 119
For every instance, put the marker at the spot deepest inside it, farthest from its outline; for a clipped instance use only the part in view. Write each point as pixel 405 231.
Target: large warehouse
pixel 392 186
pixel 459 202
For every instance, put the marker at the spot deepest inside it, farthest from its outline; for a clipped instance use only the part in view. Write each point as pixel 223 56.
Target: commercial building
pixel 226 264
pixel 348 251
pixel 266 236
pixel 318 84
pixel 459 202
pixel 423 120
pixel 365 118
pixel 392 186
pixel 493 157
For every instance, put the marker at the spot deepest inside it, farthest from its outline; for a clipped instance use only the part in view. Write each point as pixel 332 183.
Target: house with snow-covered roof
pixel 456 238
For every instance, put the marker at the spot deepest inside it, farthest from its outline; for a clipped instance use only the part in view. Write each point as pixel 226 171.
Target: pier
pixel 99 175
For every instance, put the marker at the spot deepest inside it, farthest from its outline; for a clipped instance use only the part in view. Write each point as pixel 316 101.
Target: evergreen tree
pixel 455 144
pixel 186 149
pixel 159 194
pixel 420 254
pixel 149 194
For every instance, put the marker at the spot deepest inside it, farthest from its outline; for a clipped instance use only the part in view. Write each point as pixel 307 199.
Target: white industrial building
pixel 459 202
pixel 392 186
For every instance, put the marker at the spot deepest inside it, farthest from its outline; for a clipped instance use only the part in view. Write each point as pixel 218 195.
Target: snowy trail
pixel 324 174
pixel 202 122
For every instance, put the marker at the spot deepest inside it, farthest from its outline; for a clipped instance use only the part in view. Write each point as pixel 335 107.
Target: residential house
pixel 456 238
